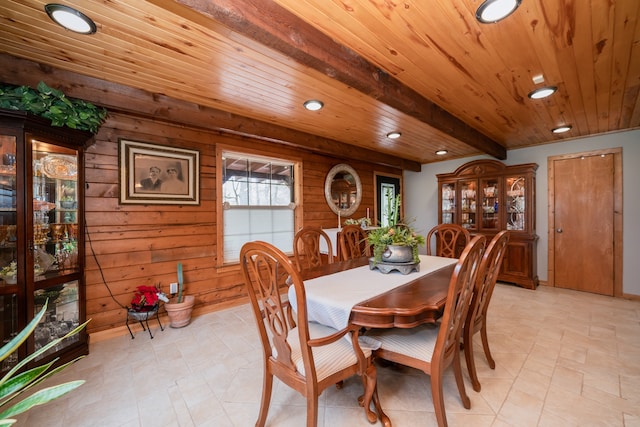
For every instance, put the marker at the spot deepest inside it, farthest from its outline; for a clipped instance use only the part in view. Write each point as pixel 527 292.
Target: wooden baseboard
pixel 136 328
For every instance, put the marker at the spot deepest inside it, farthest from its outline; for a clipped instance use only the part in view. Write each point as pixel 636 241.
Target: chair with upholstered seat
pixel 477 317
pixel 307 357
pixel 308 248
pixel 432 348
pixel 450 240
pixel 353 242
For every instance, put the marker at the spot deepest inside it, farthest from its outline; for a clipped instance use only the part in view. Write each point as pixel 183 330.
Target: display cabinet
pixel 486 197
pixel 41 234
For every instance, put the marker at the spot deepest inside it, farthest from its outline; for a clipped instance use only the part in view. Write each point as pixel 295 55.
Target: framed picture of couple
pixel 157 174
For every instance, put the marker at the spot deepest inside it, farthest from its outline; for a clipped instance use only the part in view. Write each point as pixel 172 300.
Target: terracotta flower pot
pixel 180 313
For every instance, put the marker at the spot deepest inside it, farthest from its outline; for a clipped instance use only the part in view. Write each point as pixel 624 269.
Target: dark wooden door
pixel 583 223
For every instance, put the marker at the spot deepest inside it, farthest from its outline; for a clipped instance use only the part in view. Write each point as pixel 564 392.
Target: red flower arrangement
pixel 146 298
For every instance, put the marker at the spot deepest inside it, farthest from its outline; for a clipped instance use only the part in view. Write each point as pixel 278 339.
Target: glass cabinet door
pixel 448 203
pixel 62 316
pixel 8 214
pixel 490 205
pixel 55 243
pixel 8 243
pixel 468 204
pixel 516 209
pixel 55 227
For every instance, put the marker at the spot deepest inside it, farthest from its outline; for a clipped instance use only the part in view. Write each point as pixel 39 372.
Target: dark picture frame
pixel 157 174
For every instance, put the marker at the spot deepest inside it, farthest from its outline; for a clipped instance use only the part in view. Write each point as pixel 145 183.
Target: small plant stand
pixel 386 267
pixel 143 318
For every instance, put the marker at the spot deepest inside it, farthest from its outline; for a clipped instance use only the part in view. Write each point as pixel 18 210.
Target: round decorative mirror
pixel 343 190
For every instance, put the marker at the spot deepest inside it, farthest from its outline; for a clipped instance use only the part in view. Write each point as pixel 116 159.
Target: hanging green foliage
pixel 52 104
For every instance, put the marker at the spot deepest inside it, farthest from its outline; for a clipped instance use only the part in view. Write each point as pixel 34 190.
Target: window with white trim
pixel 258 200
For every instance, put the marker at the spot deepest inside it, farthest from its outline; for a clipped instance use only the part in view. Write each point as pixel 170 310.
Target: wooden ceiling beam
pixel 273 26
pixel 119 98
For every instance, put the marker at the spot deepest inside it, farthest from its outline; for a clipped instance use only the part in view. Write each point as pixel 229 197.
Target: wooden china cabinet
pixel 41 234
pixel 486 197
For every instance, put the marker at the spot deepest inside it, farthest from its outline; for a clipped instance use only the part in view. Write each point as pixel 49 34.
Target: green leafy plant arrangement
pixel 180 283
pixel 14 382
pixel 52 104
pixel 397 232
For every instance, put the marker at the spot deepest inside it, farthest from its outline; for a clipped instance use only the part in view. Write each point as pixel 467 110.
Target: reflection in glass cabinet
pixel 8 323
pixel 55 230
pixel 448 203
pixel 61 316
pixel 468 201
pixel 516 203
pixel 8 217
pixel 490 203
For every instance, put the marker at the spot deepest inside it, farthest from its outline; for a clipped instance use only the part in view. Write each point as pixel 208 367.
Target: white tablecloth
pixel 330 298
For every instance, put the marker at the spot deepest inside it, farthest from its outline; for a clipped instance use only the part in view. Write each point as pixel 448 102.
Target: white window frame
pixel 268 215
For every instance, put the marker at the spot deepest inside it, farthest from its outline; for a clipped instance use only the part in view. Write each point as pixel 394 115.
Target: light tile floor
pixel 564 358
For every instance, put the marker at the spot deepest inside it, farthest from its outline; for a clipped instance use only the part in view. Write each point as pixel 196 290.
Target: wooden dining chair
pixel 450 240
pixel 307 248
pixel 353 242
pixel 476 320
pixel 307 357
pixel 433 348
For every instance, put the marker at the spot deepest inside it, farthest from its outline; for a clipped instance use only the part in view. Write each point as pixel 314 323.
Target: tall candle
pixel 367 213
pixel 338 219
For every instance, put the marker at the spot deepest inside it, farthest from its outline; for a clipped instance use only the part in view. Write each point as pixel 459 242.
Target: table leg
pixel 370 384
pixel 369 381
pixel 386 422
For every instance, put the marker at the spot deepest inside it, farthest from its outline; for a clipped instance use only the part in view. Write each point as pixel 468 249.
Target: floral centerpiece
pixel 146 298
pixel 395 233
pixel 363 222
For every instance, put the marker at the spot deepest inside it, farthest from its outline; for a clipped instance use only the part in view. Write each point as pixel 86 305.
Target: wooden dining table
pixel 414 299
pixel 414 302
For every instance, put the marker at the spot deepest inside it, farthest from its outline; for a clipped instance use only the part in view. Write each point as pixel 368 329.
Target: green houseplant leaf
pixel 396 232
pixel 180 282
pixel 15 381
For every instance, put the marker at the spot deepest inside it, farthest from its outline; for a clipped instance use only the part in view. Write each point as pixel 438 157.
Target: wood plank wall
pixel 132 245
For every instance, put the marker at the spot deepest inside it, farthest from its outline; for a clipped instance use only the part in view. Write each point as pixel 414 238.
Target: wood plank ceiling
pixel 428 69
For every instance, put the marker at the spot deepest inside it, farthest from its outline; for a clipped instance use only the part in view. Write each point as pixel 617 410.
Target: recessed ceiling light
pixel 441 152
pixel 394 135
pixel 70 18
pixel 561 129
pixel 313 105
pixel 491 11
pixel 542 92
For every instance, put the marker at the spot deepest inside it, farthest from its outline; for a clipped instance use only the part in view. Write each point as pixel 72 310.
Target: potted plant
pixel 397 241
pixel 19 379
pixel 52 104
pixel 179 308
pixel 68 197
pixel 145 302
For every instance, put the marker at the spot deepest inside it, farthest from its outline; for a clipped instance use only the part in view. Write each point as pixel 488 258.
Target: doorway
pixel 387 188
pixel 585 221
